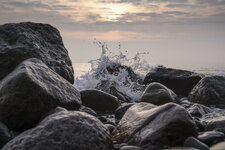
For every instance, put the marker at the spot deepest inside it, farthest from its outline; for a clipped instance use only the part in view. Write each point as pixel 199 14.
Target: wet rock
pixel 32 90
pixel 67 130
pixel 195 143
pixel 113 88
pixel 120 111
pixel 216 124
pixel 20 41
pixel 5 135
pixel 158 94
pixel 179 81
pixel 219 146
pixel 88 110
pixel 209 91
pixel 130 148
pixel 211 137
pixel 153 127
pixel 199 110
pixel 99 100
pixel 116 68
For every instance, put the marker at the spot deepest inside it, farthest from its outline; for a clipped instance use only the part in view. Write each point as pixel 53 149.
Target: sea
pixel 88 75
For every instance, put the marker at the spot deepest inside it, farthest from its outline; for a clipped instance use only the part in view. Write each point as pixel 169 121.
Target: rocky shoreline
pixel 41 109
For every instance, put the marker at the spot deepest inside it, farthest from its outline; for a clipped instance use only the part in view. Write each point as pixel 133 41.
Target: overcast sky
pixel 176 33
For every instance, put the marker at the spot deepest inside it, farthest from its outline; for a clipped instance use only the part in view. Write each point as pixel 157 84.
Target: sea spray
pixel 123 76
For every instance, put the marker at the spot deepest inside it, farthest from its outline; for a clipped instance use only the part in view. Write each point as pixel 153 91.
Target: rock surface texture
pixel 158 94
pixel 179 81
pixel 99 100
pixel 152 127
pixel 32 90
pixel 20 41
pixel 64 130
pixel 209 91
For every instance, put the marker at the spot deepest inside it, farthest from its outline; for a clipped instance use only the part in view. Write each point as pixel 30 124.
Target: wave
pixel 128 72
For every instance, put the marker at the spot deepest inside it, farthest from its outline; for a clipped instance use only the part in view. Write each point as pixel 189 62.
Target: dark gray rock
pixel 195 143
pixel 130 148
pixel 219 146
pixel 120 111
pixel 110 127
pixel 68 130
pixel 88 110
pixel 209 91
pixel 216 124
pixel 5 135
pixel 20 41
pixel 211 137
pixel 32 90
pixel 158 94
pixel 179 81
pixel 181 148
pixel 116 68
pixel 99 100
pixel 200 125
pixel 113 88
pixel 152 127
pixel 198 110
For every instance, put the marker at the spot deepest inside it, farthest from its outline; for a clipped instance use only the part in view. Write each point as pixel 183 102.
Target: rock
pixel 193 142
pixel 219 146
pixel 120 111
pixel 181 148
pixel 5 135
pixel 152 127
pixel 88 110
pixel 32 90
pixel 99 100
pixel 113 88
pixel 211 137
pixel 116 68
pixel 110 127
pixel 130 148
pixel 217 124
pixel 199 110
pixel 200 125
pixel 158 94
pixel 67 130
pixel 20 41
pixel 179 81
pixel 209 91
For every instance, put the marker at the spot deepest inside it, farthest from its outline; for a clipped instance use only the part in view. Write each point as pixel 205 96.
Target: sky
pixel 184 34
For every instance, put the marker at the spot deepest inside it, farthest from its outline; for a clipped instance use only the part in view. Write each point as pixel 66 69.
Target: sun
pixel 114 12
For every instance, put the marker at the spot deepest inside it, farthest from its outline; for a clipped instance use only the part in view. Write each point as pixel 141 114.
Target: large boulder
pixel 113 88
pixel 158 94
pixel 209 91
pixel 179 81
pixel 99 100
pixel 153 127
pixel 68 130
pixel 20 41
pixel 30 91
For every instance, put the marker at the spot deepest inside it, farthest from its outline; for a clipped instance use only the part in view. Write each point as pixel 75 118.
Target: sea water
pixel 88 75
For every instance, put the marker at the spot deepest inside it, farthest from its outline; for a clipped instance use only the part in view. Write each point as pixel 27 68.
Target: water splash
pixel 123 76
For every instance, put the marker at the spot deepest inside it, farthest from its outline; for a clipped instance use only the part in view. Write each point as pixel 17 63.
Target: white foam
pixel 98 71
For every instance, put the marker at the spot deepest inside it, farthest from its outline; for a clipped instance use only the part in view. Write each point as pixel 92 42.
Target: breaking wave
pixel 99 71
